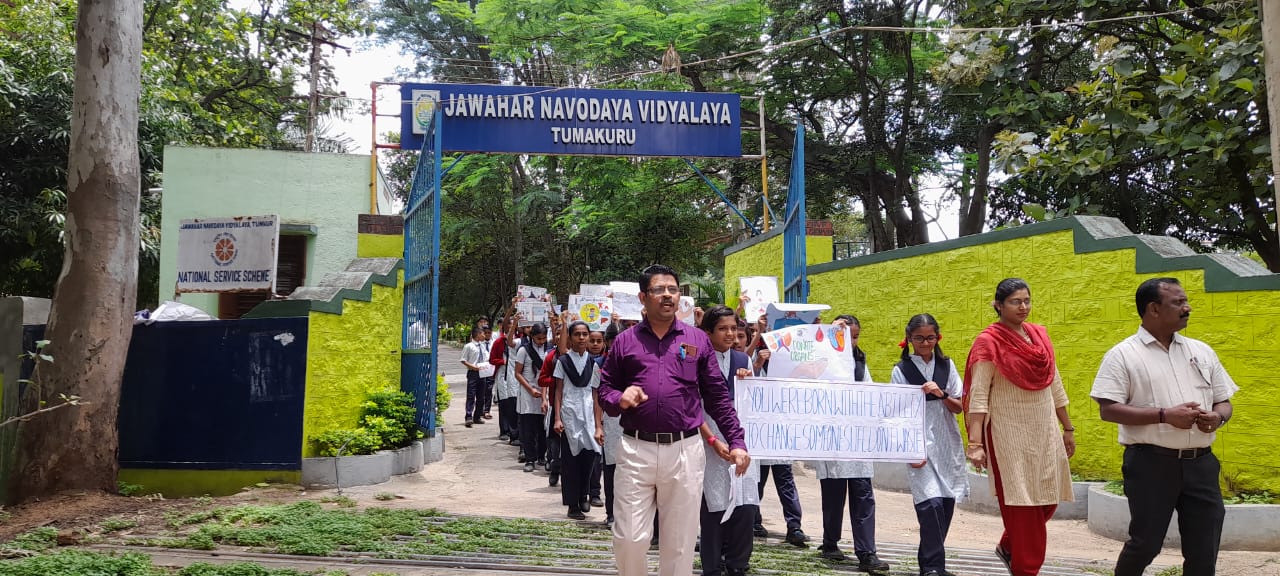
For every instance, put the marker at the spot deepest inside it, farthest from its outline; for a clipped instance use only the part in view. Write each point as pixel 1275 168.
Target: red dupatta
pixel 1028 365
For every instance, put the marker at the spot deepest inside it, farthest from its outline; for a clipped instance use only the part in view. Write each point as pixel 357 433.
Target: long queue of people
pixel 545 386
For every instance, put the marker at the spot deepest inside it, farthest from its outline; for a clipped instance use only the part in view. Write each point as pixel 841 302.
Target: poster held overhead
pixel 685 312
pixel 596 290
pixel 813 351
pixel 596 312
pixel 530 292
pixel 533 312
pixel 626 300
pixel 781 314
pixel 756 293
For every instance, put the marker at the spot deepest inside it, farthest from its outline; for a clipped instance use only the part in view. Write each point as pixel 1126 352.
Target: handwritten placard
pixel 596 290
pixel 530 292
pixel 533 312
pixel 810 351
pixel 596 312
pixel 814 420
pixel 755 294
pixel 779 315
pixel 626 300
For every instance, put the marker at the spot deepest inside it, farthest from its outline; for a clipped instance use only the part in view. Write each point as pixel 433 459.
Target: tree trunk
pixel 973 216
pixel 90 322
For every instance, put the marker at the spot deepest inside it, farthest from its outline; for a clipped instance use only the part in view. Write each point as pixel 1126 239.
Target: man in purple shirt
pixel 658 376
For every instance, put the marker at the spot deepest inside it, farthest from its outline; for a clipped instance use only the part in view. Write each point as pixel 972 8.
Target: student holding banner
pixel 939 481
pixel 726 543
pixel 838 480
pixel 505 387
pixel 1013 392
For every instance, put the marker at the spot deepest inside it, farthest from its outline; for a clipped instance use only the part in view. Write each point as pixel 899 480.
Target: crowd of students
pixel 546 380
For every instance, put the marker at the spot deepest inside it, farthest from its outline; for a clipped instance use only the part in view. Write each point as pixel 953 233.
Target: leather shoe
pixel 467 423
pixel 553 479
pixel 797 538
pixel 585 505
pixel 760 532
pixel 833 553
pixel 528 466
pixel 597 502
pixel 872 564
pixel 577 514
pixel 937 573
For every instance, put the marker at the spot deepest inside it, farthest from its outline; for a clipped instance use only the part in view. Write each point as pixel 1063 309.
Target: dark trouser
pixel 862 513
pixel 487 388
pixel 533 438
pixel 608 489
pixel 1158 484
pixel 555 446
pixel 475 396
pixel 785 484
pixel 730 541
pixel 508 420
pixel 597 468
pixel 934 516
pixel 576 477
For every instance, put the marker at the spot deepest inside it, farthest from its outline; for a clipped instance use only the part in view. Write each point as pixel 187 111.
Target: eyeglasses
pixel 1017 303
pixel 923 339
pixel 660 290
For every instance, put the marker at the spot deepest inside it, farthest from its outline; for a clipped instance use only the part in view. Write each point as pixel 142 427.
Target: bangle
pixel 711 441
pixel 1071 429
pixel 1162 415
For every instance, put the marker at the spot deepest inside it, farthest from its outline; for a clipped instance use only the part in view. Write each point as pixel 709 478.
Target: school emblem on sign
pixel 590 313
pixel 424 109
pixel 224 249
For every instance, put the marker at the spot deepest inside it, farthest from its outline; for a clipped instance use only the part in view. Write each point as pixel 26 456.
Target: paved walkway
pixel 480 476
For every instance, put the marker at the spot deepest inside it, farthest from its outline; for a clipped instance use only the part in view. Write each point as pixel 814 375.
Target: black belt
pixel 661 437
pixel 1181 454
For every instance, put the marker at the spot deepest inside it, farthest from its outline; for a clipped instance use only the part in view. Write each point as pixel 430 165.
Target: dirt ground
pixel 480 476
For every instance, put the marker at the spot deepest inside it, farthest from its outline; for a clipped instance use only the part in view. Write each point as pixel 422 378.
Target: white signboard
pixel 533 312
pixel 812 351
pixel 756 293
pixel 814 420
pixel 626 300
pixel 596 312
pixel 227 254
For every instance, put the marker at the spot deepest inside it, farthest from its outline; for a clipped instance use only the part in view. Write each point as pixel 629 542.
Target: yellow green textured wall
pixel 765 259
pixel 184 483
pixel 1086 301
pixel 348 356
pixel 379 246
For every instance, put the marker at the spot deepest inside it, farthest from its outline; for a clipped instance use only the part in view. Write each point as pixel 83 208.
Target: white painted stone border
pixel 1254 527
pixel 893 476
pixel 374 468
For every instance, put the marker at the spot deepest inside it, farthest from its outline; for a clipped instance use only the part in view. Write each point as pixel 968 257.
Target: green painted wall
pixel 762 256
pixel 324 190
pixel 185 483
pixel 1083 290
pixel 348 356
pixel 379 246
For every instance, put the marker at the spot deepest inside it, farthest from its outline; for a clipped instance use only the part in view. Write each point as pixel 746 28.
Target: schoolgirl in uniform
pixel 939 481
pixel 596 347
pixel 610 432
pixel 851 480
pixel 528 360
pixel 576 411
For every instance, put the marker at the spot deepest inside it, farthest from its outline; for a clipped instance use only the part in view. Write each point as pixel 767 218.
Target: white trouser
pixel 662 477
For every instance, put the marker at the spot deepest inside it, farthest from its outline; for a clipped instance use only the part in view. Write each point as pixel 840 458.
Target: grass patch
pixel 117 524
pixel 37 540
pixel 387 496
pixel 1170 571
pixel 1115 487
pixel 1263 497
pixel 341 501
pixel 82 563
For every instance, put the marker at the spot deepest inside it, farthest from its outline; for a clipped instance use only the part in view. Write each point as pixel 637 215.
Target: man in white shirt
pixel 1170 395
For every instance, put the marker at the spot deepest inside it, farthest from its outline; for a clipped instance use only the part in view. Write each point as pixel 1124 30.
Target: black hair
pixel 920 320
pixel 742 324
pixel 858 354
pixel 656 270
pixel 536 330
pixel 712 316
pixel 575 324
pixel 1149 293
pixel 1007 287
pixel 611 332
pixel 476 331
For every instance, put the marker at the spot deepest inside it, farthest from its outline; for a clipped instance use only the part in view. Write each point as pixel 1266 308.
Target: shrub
pixel 443 397
pixel 392 416
pixel 358 441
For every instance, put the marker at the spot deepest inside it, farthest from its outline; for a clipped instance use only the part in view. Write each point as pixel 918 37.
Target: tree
pixel 90 322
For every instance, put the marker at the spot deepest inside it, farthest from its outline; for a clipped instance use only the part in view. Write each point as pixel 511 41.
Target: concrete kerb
pixel 1254 527
pixel 893 476
pixel 376 468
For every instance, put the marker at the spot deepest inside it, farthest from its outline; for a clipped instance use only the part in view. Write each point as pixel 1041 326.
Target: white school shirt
pixel 504 382
pixel 831 469
pixel 525 402
pixel 577 405
pixel 716 477
pixel 1140 372
pixel 471 354
pixel 943 476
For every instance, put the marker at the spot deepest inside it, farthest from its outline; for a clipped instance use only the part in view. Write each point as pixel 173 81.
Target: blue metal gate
pixel 420 334
pixel 795 279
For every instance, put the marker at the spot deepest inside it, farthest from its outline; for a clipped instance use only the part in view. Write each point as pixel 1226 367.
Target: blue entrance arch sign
pixel 573 121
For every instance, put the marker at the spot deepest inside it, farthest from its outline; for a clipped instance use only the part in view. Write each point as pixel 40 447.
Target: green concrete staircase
pixel 354 283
